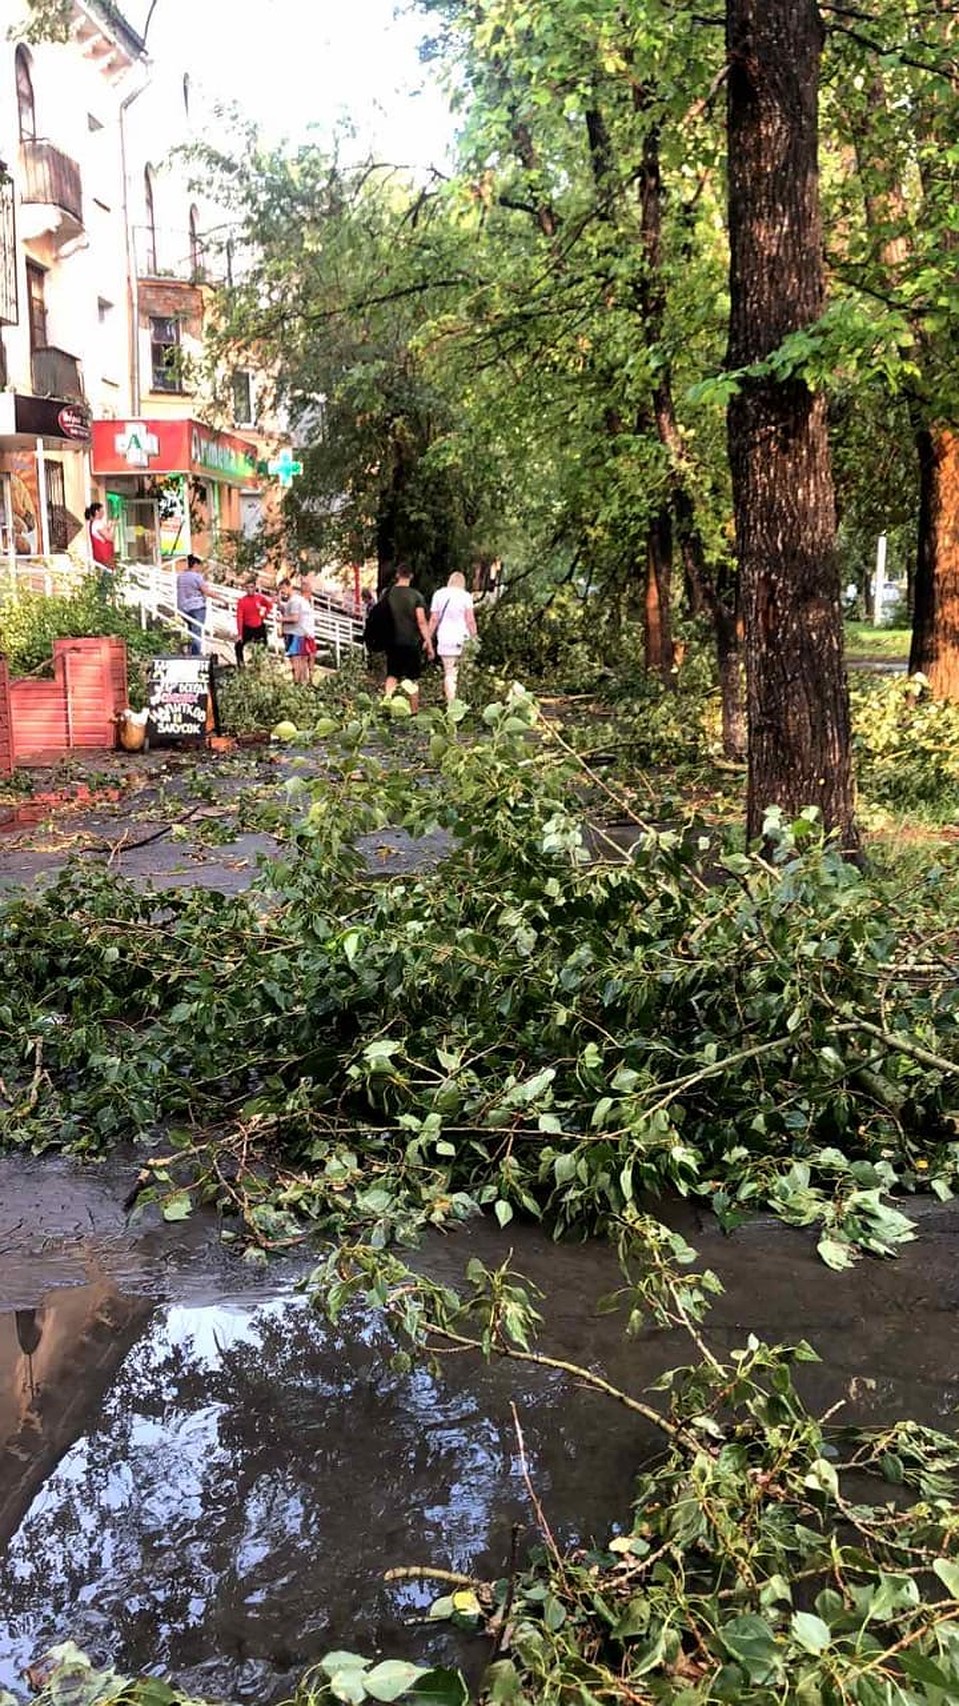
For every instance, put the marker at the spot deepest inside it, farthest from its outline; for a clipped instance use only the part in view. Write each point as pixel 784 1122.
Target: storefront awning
pixel 174 447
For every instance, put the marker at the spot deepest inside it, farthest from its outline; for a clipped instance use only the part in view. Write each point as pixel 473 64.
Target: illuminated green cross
pixel 285 467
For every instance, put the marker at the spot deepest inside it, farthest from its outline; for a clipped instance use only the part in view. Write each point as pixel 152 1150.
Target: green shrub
pixel 544 640
pixel 31 622
pixel 907 746
pixel 254 699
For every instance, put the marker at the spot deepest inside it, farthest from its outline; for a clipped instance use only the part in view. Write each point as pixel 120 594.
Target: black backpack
pixel 378 629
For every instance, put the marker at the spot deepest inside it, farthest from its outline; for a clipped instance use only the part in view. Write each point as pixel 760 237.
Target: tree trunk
pixel 935 623
pixel 729 657
pixel 797 694
pixel 657 623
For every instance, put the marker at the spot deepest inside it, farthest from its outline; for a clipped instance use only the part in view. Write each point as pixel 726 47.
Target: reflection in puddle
pixel 219 1489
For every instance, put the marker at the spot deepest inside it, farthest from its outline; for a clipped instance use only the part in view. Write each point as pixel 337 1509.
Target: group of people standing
pixel 254 609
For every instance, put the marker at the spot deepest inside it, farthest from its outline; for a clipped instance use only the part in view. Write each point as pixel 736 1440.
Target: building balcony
pixel 51 193
pixel 172 256
pixel 56 374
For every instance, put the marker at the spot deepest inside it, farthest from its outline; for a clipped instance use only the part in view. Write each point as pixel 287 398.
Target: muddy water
pixel 196 1472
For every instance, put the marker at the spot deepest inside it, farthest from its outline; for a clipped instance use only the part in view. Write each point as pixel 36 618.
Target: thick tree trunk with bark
pixel 935 623
pixel 797 694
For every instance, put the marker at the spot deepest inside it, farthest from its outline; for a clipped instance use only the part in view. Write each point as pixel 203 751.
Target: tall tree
pixel 797 695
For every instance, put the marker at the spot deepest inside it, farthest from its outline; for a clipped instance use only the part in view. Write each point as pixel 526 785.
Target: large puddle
pixel 198 1473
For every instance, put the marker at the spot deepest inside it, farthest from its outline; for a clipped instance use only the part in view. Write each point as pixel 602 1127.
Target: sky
pixel 300 66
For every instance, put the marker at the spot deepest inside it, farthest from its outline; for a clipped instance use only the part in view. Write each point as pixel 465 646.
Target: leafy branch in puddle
pixel 768 1556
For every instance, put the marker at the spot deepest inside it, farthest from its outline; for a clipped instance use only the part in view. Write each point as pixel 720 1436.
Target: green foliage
pixel 551 639
pixel 767 1556
pixel 519 1030
pixel 32 621
pixel 253 700
pixel 66 1677
pixel 907 746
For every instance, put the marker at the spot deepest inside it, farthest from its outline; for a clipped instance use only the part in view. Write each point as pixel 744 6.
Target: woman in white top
pixel 452 622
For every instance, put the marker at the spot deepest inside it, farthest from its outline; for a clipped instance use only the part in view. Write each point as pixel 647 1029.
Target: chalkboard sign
pixel 179 699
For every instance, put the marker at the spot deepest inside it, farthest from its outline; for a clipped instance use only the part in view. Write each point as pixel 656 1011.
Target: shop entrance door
pixel 138 533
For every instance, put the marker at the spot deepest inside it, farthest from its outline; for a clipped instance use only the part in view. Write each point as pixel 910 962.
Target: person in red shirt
pixel 252 611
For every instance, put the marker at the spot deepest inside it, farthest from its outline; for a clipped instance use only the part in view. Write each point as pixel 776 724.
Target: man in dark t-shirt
pixel 411 635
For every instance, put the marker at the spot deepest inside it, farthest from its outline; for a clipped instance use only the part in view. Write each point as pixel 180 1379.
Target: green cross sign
pixel 285 468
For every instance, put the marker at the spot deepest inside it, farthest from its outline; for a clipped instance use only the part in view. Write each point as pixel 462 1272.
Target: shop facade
pixel 173 486
pixel 44 474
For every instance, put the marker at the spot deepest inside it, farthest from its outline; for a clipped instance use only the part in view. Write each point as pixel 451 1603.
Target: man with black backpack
pixel 398 625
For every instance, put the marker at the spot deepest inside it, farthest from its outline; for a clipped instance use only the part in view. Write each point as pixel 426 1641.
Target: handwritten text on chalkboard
pixel 178 698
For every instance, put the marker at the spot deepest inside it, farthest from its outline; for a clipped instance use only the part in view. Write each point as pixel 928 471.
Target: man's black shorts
pixel 404 662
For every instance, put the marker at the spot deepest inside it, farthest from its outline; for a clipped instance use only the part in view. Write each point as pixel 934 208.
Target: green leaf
pixel 178 1207
pixel 752 1643
pixel 835 1255
pixel 349 1685
pixel 503 1212
pixel 441 1687
pixel 332 1662
pixel 822 1477
pixel 387 1681
pixel 948 1574
pixel 919 1668
pixel 810 1631
pixel 554 1613
pixel 502 1683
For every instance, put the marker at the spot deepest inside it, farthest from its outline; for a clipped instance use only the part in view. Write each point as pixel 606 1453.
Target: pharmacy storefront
pixel 173 486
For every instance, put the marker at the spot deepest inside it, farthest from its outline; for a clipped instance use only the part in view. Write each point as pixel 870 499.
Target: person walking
pixel 452 623
pixel 192 592
pixel 410 638
pixel 252 611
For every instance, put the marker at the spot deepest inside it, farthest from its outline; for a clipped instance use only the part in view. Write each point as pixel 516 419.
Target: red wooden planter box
pixel 76 711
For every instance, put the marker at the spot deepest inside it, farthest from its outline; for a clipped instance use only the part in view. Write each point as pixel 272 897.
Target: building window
pixel 104 310
pixel 9 293
pixel 151 224
pixel 196 253
pixel 25 103
pixel 165 354
pixel 58 516
pixel 37 302
pixel 243 397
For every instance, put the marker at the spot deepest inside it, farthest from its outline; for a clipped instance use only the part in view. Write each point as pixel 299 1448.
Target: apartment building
pixel 108 260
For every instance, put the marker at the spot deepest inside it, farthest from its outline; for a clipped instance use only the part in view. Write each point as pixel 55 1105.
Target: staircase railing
pixel 150 588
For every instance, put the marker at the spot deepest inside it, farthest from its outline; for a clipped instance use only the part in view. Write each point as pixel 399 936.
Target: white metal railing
pixel 47 575
pixel 153 588
pixel 150 588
